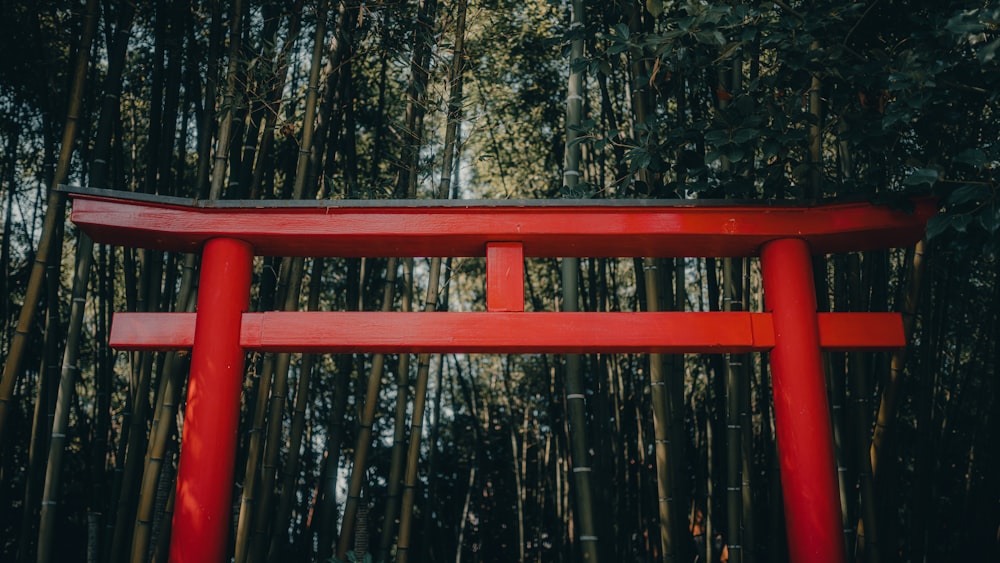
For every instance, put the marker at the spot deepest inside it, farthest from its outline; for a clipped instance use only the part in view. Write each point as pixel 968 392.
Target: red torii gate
pixel 230 233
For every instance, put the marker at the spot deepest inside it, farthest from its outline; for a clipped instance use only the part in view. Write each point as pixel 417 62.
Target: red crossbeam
pixel 433 229
pixel 507 333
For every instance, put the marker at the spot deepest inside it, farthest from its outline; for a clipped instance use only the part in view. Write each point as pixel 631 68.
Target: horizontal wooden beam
pixel 507 333
pixel 548 230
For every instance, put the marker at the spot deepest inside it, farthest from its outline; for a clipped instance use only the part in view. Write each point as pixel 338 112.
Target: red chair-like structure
pixel 228 234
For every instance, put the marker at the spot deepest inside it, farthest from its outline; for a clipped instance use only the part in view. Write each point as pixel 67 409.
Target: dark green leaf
pixel 921 176
pixel 937 225
pixel 745 135
pixel 622 32
pixel 968 193
pixel 638 158
pixel 717 137
pixel 770 148
pixel 989 217
pixel 734 152
pixel 973 157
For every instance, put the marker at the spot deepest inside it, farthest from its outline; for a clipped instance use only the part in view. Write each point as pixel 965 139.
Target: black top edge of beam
pixel 436 203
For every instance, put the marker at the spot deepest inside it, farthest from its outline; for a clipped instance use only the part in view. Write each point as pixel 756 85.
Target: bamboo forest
pixel 531 457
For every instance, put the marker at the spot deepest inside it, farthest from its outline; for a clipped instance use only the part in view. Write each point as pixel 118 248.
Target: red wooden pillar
pixel 801 412
pixel 202 510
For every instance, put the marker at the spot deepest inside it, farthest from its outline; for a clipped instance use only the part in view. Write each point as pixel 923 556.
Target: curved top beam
pixel 550 229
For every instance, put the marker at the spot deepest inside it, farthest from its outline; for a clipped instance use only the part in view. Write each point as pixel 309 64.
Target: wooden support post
pixel 202 512
pixel 801 412
pixel 505 276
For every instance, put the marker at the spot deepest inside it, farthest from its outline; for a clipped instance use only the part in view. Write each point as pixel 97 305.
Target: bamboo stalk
pixel 866 532
pixel 135 447
pixel 816 176
pixel 363 442
pixel 406 184
pixel 661 416
pixel 160 432
pixel 229 100
pixel 54 217
pixel 207 124
pixel 749 530
pixel 413 453
pixel 109 112
pixel 271 395
pixel 43 417
pixel 298 423
pixel 103 370
pixel 324 523
pixel 584 516
pixel 450 149
pixel 52 229
pixel 254 452
pixel 881 439
pixel 397 463
pixel 67 383
pixel 162 547
pixel 147 297
pixel 273 441
pixel 735 377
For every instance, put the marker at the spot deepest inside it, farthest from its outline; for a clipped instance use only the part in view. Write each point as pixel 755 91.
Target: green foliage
pixel 889 93
pixel 767 101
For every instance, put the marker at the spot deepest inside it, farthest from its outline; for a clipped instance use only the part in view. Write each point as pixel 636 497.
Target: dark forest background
pixel 344 99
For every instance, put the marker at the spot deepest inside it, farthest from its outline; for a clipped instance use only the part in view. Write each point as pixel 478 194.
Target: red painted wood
pixel 203 506
pixel 564 230
pixel 506 333
pixel 504 276
pixel 801 413
pixel 220 334
pixel 852 332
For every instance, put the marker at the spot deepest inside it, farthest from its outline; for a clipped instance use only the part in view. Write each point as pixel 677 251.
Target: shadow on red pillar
pixel 200 529
pixel 801 412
